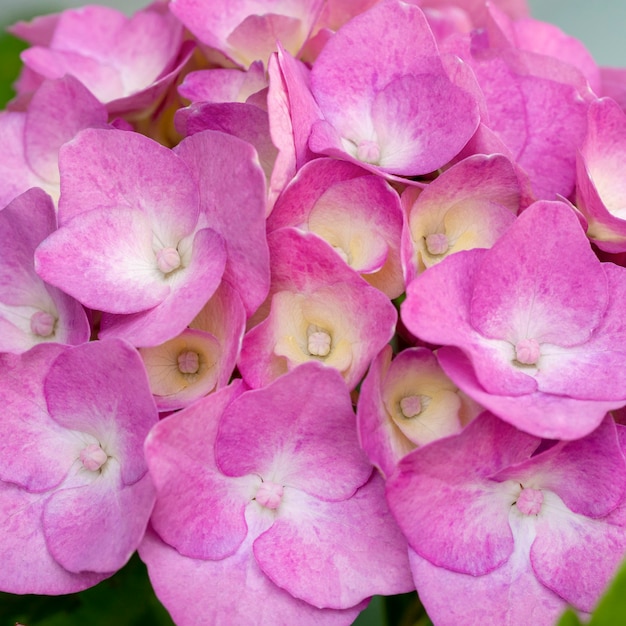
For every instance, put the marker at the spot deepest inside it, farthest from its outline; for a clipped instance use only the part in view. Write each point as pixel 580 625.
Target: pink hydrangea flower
pixel 263 490
pixel 247 30
pixel 318 310
pixel 150 242
pixel 402 111
pixel 512 532
pixel 534 324
pixel 356 213
pixel 75 494
pixel 600 187
pixel 126 62
pixel 200 359
pixel 468 206
pixel 32 311
pixel 57 111
pixel 408 402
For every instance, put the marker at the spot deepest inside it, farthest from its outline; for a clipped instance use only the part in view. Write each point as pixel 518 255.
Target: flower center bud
pixel 42 324
pixel 168 260
pixel 269 495
pixel 318 342
pixel 527 351
pixel 529 501
pixel 437 243
pixel 93 457
pixel 411 406
pixel 188 362
pixel 368 151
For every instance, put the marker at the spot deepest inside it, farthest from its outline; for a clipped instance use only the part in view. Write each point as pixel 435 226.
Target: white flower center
pixel 437 243
pixel 168 260
pixel 188 362
pixel 368 151
pixel 93 457
pixel 319 341
pixel 42 324
pixel 529 501
pixel 527 351
pixel 269 495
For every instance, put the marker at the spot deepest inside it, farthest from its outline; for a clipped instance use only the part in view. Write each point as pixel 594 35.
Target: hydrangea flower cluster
pixel 310 301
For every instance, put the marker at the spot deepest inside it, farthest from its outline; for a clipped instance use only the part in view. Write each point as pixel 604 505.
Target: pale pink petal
pixel 105 259
pixel 96 527
pixel 35 451
pixel 336 566
pixel 576 556
pixel 205 593
pixel 100 388
pixel 27 566
pixel 179 452
pixel 312 447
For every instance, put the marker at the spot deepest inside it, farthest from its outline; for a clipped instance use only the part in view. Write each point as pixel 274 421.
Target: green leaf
pixel 125 599
pixel 611 609
pixel 10 48
pixel 569 618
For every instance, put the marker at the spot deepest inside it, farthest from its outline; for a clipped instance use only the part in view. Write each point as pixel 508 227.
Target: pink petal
pixel 336 567
pixel 35 451
pixel 107 377
pixel 541 414
pixel 451 513
pixel 96 527
pixel 313 447
pixel 234 210
pixel 198 511
pixel 115 271
pixel 27 566
pixel 544 281
pixel 205 593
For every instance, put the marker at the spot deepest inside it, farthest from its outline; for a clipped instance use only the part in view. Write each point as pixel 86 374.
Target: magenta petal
pixel 307 437
pixel 336 566
pixel 450 512
pixel 101 388
pixel 116 168
pixel 220 164
pixel 105 259
pixel 35 451
pixel 206 593
pixel 198 511
pixel 27 566
pixel 97 526
pixel 543 280
pixel 190 289
pixel 576 556
pixel 541 414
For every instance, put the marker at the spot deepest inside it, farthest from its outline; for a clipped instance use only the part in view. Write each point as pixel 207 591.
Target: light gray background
pixel 601 25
